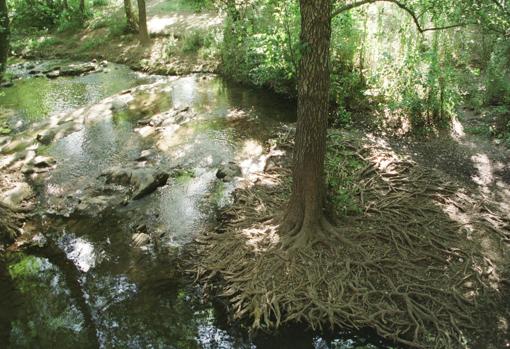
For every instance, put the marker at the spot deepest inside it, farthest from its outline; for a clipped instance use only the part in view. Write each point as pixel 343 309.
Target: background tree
pixel 142 22
pixel 4 36
pixel 82 8
pixel 130 18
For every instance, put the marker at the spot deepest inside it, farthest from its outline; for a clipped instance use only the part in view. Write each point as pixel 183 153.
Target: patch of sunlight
pixel 261 237
pixel 54 190
pixel 98 111
pixel 7 160
pixel 171 136
pixel 251 157
pixel 236 114
pixel 457 131
pixel 485 174
pixel 158 24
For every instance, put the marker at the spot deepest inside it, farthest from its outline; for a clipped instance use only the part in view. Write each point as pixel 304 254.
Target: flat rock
pixel 91 205
pixel 118 175
pixel 142 181
pixel 17 195
pixel 146 155
pixel 43 161
pixel 146 181
pixel 77 69
pixel 45 137
pixel 53 74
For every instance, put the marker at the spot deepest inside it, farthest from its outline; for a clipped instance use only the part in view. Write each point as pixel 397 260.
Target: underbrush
pixel 183 5
pixel 25 45
pixel 342 166
pixel 205 44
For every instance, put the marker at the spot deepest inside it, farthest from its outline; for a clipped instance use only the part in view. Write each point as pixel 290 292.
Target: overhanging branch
pixel 400 5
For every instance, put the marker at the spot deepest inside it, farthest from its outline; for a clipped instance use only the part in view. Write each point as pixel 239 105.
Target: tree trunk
pixel 130 18
pixel 4 36
pixel 305 214
pixel 142 22
pixel 82 8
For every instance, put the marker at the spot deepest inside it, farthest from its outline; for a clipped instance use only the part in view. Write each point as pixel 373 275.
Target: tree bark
pixel 4 36
pixel 130 18
pixel 304 215
pixel 142 23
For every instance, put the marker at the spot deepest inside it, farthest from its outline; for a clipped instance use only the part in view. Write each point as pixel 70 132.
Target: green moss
pixel 183 175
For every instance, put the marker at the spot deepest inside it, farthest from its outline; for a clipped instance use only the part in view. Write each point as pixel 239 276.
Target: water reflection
pixel 94 287
pixel 37 98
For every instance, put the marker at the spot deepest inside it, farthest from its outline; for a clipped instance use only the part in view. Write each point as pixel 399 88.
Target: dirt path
pixel 165 21
pixel 476 161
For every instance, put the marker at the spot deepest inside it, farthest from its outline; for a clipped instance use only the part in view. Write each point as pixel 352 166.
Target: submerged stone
pixel 143 181
pixel 147 181
pixel 228 172
pixel 45 137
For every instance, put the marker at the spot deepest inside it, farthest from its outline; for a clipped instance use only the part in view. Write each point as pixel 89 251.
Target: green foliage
pixel 342 168
pixel 347 81
pixel 182 5
pixel 41 14
pixel 193 41
pixel 342 118
pixel 92 43
pixel 99 3
pixel 497 76
pixel 203 43
pixel 260 44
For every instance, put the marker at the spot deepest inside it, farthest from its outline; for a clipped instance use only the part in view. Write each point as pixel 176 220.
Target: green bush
pixel 99 3
pixel 342 168
pixel 193 41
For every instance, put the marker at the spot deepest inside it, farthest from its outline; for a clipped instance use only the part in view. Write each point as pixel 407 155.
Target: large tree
pixel 304 217
pixel 4 36
pixel 304 220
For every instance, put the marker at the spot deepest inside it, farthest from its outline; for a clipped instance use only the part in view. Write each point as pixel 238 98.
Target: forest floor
pixel 182 41
pixel 424 258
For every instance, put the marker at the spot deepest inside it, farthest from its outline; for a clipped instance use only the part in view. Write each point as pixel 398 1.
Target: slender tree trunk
pixel 65 5
pixel 4 36
pixel 304 214
pixel 142 22
pixel 82 8
pixel 130 18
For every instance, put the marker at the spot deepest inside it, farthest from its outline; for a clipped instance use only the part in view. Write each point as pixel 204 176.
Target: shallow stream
pixel 91 286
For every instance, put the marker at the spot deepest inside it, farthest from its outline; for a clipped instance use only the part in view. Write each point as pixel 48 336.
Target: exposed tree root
pixel 405 267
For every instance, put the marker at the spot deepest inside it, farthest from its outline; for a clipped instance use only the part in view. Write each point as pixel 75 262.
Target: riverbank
pixel 182 41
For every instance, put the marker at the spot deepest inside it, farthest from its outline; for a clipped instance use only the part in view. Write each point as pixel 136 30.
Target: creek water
pixel 91 286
